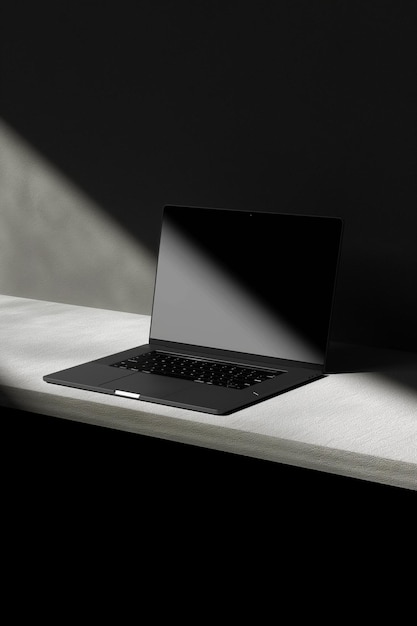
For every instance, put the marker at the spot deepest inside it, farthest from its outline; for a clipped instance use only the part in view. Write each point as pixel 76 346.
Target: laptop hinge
pixel 226 355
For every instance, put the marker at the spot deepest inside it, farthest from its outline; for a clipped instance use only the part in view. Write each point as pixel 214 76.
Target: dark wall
pixel 295 106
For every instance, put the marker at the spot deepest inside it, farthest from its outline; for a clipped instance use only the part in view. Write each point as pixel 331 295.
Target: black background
pixel 297 106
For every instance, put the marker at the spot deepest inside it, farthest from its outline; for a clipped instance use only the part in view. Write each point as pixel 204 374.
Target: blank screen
pixel 259 283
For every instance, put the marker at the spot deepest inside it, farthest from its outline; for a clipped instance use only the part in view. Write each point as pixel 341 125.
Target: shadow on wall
pixel 57 245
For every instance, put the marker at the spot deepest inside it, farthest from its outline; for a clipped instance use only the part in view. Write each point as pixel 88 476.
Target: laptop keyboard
pixel 198 370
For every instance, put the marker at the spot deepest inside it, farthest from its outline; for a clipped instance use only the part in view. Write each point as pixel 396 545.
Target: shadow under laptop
pixel 397 367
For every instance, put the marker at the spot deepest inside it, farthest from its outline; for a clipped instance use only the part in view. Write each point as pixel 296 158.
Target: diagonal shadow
pixel 394 366
pixel 57 244
pixel 77 253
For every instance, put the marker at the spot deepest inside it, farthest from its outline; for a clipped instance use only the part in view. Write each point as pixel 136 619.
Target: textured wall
pixel 55 242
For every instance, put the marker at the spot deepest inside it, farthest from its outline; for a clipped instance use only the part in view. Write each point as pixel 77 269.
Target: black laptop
pixel 241 312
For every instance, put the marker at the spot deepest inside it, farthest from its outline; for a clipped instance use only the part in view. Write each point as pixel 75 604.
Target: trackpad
pixel 147 384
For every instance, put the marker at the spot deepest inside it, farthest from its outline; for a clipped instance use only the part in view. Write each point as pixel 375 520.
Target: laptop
pixel 241 312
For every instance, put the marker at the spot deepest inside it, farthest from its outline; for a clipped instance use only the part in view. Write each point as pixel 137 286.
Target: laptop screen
pixel 258 283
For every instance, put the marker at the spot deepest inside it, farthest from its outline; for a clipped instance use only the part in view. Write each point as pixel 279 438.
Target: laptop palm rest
pixel 147 385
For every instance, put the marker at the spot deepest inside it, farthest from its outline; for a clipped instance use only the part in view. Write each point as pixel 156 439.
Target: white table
pixel 361 425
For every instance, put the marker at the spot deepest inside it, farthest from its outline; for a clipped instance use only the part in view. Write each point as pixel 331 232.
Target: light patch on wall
pixel 56 244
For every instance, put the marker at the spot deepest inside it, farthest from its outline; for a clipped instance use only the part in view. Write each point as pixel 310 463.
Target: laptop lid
pixel 258 283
